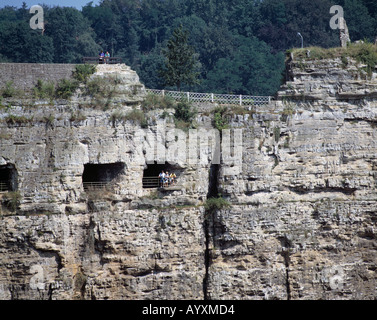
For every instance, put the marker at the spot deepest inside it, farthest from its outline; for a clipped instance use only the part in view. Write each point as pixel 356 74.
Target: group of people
pixel 104 57
pixel 167 179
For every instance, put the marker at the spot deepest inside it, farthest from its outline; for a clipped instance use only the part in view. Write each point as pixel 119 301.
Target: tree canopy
pixel 239 44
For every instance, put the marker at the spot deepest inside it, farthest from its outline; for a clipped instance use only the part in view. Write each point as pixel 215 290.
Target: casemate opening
pixel 8 178
pixel 160 175
pixel 101 176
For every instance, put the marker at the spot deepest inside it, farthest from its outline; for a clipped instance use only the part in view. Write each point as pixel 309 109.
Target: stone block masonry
pixel 24 76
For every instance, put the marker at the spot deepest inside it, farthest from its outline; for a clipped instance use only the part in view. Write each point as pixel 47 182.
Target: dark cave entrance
pixel 152 171
pixel 8 178
pixel 101 175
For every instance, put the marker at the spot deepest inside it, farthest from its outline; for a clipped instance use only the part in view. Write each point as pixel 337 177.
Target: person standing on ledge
pixel 107 57
pixel 101 56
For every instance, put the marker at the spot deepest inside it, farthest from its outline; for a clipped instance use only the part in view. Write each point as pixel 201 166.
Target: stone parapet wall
pixel 24 76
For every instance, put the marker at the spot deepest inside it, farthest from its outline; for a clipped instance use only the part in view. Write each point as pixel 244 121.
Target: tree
pixel 71 34
pixel 360 23
pixel 180 61
pixel 251 70
pixel 19 43
pixel 150 64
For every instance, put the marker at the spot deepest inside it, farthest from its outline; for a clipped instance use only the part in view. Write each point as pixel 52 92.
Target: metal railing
pixel 4 186
pixel 214 97
pixel 155 182
pixel 91 186
pixel 97 60
pixel 151 182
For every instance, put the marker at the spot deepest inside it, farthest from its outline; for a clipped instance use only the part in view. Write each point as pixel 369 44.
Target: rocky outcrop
pixel 306 199
pixel 301 223
pixel 338 79
pixel 344 34
pixel 305 196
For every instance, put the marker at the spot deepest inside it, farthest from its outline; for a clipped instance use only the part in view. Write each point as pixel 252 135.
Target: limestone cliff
pixel 302 217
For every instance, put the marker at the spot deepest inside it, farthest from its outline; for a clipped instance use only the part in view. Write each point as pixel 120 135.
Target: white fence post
pixel 163 93
pixel 240 100
pixel 212 97
pixel 188 96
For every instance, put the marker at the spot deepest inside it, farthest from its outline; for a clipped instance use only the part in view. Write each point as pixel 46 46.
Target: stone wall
pixel 24 76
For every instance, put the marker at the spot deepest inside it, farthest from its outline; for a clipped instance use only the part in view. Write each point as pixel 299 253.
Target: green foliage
pixel 71 35
pixel 181 63
pixel 22 44
pixel 238 44
pixel 19 120
pixel 82 72
pixel 152 101
pixel 149 66
pixel 101 90
pixel 101 87
pixel 251 69
pixel 277 134
pixel 220 122
pixel 185 111
pixel 135 115
pixel 361 24
pixel 12 200
pixel 66 88
pixel 9 91
pixel 96 87
pixel 215 204
pixel 364 52
pixel 43 90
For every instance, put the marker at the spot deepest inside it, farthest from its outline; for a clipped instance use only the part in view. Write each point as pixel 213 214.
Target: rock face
pixel 344 34
pixel 302 217
pixel 117 254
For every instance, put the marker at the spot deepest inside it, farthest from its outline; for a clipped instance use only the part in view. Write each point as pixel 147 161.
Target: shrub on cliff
pixel 134 115
pixel 66 88
pixel 17 120
pixel 44 90
pixel 184 115
pixel 219 119
pixel 365 52
pixel 184 111
pixel 154 101
pixel 215 204
pixel 11 200
pixel 82 72
pixel 9 91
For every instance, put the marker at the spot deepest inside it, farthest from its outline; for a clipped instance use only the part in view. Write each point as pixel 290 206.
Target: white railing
pixel 214 97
